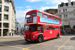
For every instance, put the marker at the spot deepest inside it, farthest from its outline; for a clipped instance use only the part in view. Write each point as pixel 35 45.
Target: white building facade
pixel 7 17
pixel 67 13
pixel 18 28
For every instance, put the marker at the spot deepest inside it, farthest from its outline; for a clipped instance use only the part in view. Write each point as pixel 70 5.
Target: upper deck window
pixel 28 15
pixel 39 14
pixel 57 19
pixel 50 17
pixel 33 14
pixel 45 15
pixel 54 18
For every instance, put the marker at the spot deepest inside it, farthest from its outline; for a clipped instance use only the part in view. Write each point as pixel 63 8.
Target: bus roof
pixel 42 12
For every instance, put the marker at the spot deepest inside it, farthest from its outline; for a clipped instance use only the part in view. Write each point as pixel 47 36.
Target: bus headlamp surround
pixel 33 36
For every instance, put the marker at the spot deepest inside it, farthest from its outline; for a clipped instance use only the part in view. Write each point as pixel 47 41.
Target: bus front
pixel 31 28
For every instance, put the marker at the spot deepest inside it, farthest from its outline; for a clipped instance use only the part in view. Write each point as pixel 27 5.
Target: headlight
pixel 33 36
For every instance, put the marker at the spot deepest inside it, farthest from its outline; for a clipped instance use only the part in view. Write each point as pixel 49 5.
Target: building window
pixel 0 17
pixel 64 5
pixel 64 10
pixel 65 22
pixel 5 17
pixel 5 25
pixel 7 1
pixel 0 8
pixel 6 8
pixel 65 16
pixel 0 1
pixel 58 6
pixel 0 25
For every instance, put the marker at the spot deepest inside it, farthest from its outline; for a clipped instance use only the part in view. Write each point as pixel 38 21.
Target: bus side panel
pixel 54 32
pixel 47 34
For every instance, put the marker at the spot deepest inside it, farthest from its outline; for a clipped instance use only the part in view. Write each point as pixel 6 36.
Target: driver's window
pixel 40 27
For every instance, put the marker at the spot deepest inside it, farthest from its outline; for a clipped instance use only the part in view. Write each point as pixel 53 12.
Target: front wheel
pixel 39 39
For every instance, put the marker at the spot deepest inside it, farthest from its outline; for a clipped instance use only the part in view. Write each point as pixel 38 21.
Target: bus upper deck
pixel 36 16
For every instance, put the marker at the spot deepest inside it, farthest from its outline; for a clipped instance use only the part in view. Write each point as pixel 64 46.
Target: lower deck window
pixel 40 27
pixel 45 28
pixel 32 27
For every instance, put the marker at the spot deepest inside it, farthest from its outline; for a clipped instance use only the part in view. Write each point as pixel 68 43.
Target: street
pixel 65 42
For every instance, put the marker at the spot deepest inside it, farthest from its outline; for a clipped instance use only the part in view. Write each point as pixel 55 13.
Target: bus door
pixel 61 30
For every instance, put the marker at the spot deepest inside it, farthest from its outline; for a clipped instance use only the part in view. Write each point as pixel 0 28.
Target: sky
pixel 23 6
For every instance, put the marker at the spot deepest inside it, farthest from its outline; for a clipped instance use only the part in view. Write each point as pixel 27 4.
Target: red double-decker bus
pixel 41 26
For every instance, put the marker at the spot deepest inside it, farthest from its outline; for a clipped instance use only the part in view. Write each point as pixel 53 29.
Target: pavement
pixel 65 42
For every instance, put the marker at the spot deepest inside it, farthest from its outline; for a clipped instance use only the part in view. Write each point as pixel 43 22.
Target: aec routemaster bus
pixel 41 26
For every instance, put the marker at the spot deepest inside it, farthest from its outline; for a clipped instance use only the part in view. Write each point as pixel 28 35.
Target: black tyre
pixel 40 39
pixel 58 35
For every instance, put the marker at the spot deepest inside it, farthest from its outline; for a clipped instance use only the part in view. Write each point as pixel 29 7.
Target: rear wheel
pixel 58 35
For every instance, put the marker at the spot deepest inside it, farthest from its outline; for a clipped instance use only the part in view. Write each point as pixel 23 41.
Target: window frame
pixel 5 16
pixel 50 16
pixel 40 26
pixel 45 15
pixel 32 13
pixel 1 8
pixel 6 1
pixel 46 28
pixel 40 13
pixel 1 1
pixel 0 17
pixel 50 29
pixel 5 9
pixel 54 18
pixel 57 28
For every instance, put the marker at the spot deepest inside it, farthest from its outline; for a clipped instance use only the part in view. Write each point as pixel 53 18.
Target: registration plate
pixel 28 39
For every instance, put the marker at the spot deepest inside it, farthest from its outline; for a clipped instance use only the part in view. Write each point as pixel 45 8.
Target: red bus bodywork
pixel 50 27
